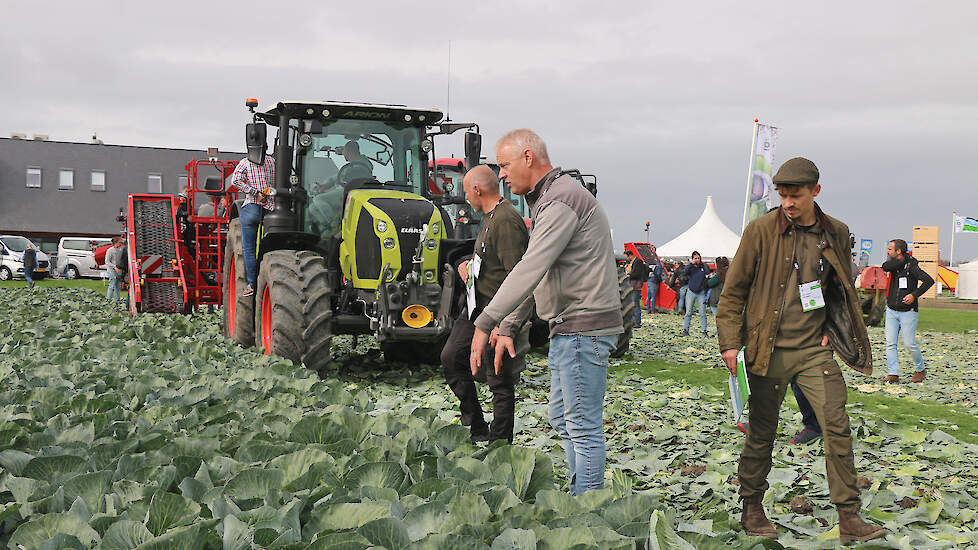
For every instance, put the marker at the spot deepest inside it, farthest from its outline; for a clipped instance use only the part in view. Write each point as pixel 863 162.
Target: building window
pixel 34 177
pixel 182 182
pixel 98 180
pixel 66 179
pixel 155 182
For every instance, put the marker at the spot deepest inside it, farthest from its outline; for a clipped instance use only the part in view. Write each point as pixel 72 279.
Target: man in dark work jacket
pixel 907 283
pixel 500 245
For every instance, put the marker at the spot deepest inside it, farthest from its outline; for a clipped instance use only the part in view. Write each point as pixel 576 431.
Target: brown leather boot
pixel 918 376
pixel 754 522
pixel 891 379
pixel 852 528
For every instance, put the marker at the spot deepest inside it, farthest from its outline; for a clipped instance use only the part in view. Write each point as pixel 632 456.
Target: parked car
pixel 76 256
pixel 11 250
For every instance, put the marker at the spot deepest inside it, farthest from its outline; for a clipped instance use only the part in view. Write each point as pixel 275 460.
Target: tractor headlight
pixel 431 244
pixel 435 228
pixel 305 140
pixel 429 275
pixel 381 226
pixel 407 118
pixel 388 243
pixel 426 145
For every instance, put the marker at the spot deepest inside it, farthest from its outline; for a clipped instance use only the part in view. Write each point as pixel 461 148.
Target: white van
pixel 11 250
pixel 76 257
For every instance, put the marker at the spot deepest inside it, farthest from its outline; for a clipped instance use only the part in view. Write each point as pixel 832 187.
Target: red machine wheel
pixel 239 311
pixel 266 320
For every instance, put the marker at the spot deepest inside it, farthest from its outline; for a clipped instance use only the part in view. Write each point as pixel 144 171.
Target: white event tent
pixel 967 286
pixel 709 236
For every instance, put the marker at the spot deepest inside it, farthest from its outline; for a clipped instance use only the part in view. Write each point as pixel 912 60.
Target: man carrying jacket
pixel 569 267
pixel 499 247
pixel 907 283
pixel 789 302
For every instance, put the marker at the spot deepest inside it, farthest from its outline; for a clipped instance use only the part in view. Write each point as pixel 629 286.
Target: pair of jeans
pixel 808 417
pixel 458 375
pixel 905 322
pixel 578 379
pixel 681 301
pixel 251 216
pixel 28 276
pixel 637 310
pixel 691 299
pixel 653 289
pixel 115 285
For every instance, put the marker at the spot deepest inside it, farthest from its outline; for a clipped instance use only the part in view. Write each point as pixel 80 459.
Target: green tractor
pixel 357 242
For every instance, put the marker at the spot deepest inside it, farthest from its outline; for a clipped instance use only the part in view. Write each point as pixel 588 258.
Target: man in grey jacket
pixel 569 267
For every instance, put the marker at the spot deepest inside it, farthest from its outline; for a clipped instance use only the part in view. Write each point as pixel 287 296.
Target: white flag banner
pixel 762 196
pixel 964 224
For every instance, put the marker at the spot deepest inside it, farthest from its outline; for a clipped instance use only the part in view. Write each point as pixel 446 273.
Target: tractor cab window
pixel 352 153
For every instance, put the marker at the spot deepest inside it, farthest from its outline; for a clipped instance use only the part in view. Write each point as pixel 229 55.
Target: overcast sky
pixel 657 99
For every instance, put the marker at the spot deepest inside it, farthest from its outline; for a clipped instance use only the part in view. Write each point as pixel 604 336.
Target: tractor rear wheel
pixel 239 311
pixel 627 313
pixel 293 313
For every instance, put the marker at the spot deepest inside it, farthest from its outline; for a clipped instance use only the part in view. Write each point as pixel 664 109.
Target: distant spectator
pixel 638 273
pixel 112 257
pixel 678 282
pixel 29 258
pixel 696 271
pixel 656 276
pixel 907 283
pixel 717 280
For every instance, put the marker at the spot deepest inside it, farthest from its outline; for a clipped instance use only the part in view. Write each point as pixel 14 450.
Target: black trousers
pixel 458 374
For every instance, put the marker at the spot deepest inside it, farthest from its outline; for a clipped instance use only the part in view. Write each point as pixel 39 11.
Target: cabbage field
pixel 154 432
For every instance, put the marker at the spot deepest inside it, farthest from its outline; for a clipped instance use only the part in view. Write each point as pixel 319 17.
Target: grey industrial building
pixel 54 189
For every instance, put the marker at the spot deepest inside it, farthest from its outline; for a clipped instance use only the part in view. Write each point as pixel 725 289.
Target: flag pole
pixel 750 176
pixel 954 221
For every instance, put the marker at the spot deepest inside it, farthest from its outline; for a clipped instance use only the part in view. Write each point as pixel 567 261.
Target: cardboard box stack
pixel 925 250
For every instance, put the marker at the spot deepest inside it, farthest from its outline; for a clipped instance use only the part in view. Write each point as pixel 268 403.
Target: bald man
pixel 499 246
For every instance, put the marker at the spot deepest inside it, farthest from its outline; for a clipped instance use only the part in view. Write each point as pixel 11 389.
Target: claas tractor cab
pixel 358 241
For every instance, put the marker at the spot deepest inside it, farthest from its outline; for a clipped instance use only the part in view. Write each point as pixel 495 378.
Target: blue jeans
pixel 905 322
pixel 115 285
pixel 650 297
pixel 251 216
pixel 808 416
pixel 637 310
pixel 691 299
pixel 578 378
pixel 28 272
pixel 681 301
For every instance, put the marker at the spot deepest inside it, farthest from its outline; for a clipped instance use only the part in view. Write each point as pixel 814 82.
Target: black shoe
pixel 685 333
pixel 706 334
pixel 479 434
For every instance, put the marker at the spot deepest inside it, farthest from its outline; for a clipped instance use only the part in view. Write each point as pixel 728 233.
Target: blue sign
pixel 866 244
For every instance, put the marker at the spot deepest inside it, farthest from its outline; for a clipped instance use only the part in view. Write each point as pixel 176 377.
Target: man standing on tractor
pixel 907 283
pixel 569 267
pixel 499 247
pixel 788 301
pixel 255 180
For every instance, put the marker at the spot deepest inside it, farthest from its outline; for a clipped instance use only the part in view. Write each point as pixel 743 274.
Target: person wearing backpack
pixel 656 276
pixel 638 273
pixel 29 259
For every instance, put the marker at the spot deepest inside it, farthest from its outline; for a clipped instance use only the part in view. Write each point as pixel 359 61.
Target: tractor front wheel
pixel 627 313
pixel 293 314
pixel 239 311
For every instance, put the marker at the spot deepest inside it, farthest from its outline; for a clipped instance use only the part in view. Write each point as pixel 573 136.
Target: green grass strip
pixel 924 414
pixel 947 320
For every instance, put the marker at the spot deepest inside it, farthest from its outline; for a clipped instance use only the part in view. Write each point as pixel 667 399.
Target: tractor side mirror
pixel 473 149
pixel 255 137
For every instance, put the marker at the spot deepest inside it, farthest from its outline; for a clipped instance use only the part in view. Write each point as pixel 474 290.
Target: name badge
pixel 811 296
pixel 902 282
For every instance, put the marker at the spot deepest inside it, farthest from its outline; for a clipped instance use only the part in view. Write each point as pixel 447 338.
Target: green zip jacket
pixel 751 304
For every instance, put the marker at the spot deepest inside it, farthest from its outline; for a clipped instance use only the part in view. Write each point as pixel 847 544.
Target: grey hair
pixel 525 138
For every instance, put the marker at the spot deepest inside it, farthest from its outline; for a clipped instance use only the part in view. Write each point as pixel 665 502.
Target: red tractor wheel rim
pixel 232 297
pixel 266 320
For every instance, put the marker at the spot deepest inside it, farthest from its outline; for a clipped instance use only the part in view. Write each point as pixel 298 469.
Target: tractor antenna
pixel 448 108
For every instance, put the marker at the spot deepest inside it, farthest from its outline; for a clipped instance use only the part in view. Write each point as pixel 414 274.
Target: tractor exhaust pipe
pixel 282 218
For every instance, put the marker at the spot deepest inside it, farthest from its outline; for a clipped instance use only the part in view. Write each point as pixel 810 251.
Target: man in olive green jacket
pixel 788 301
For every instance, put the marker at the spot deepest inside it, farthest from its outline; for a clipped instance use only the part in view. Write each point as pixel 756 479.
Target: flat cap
pixel 797 171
